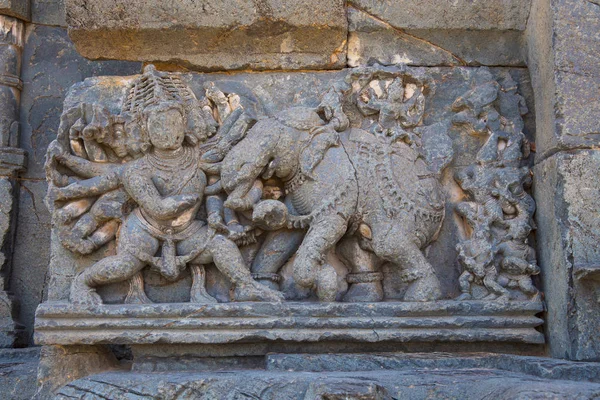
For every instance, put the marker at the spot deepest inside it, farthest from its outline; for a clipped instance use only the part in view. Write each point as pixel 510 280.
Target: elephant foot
pixel 425 288
pixel 365 287
pixel 254 291
pixel 370 292
pixel 327 286
pixel 464 296
pixel 327 283
pixel 267 279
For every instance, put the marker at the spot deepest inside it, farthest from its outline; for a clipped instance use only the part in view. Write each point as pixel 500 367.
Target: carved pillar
pixel 12 161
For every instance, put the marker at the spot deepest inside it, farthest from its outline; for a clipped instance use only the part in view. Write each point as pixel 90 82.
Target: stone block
pixel 60 365
pixel 373 39
pixel 566 190
pixel 206 35
pixel 15 8
pixel 48 12
pixel 412 383
pixel 564 59
pixel 18 373
pixel 458 14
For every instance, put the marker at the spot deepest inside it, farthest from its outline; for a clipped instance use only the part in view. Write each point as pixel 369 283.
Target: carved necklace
pixel 179 161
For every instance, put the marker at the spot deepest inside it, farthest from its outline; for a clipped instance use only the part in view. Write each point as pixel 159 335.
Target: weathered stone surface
pixel 15 8
pixel 50 66
pixel 471 321
pixel 545 368
pixel 566 186
pixel 18 373
pixel 564 54
pixel 375 38
pixel 60 365
pixel 48 12
pixel 9 329
pixel 266 95
pixel 443 383
pixel 460 14
pixel 274 34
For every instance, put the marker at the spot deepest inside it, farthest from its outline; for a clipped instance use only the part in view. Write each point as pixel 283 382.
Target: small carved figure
pixel 476 255
pixel 498 209
pixel 517 260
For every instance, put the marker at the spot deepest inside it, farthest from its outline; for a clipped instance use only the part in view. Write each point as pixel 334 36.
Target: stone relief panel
pixel 381 184
pixel 275 205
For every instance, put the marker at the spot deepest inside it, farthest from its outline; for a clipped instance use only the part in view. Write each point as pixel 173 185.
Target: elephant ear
pixel 322 140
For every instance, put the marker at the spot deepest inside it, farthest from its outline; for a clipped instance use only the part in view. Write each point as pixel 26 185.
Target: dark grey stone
pixel 48 12
pixel 18 373
pixel 412 383
pixel 566 186
pixel 564 54
pixel 16 8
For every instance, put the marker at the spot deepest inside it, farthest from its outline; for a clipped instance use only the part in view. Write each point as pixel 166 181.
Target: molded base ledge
pixel 442 321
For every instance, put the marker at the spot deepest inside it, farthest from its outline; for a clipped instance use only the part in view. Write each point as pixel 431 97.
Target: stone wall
pixel 554 41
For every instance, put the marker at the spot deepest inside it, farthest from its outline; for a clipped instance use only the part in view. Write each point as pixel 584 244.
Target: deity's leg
pixel 116 268
pixel 229 260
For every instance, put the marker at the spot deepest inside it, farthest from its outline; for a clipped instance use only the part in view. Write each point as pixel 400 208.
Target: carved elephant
pixel 339 182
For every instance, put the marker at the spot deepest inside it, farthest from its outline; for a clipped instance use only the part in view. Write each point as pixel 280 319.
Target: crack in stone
pixel 403 32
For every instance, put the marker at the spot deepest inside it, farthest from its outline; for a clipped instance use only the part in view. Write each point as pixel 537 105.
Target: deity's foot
pixel 464 296
pixel 426 288
pixel 201 296
pixel 500 299
pixel 198 293
pixel 254 291
pixel 83 294
pixel 137 294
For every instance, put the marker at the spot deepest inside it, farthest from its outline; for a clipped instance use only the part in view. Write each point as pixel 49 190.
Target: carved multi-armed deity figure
pixel 165 187
pixel 498 210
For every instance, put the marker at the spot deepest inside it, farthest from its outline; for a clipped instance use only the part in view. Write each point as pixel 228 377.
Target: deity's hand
pixel 215 221
pixel 56 151
pixel 180 203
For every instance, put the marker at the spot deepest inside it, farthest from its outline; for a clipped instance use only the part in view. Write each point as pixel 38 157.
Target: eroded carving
pixel 496 256
pixel 162 181
pixel 180 182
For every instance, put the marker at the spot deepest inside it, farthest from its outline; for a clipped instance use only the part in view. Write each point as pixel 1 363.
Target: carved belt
pixel 169 264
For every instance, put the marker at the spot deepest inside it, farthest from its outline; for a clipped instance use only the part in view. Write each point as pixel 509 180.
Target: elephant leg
pixel 364 279
pixel 393 245
pixel 310 269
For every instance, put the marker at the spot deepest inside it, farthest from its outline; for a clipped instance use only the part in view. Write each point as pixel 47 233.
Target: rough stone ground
pixel 415 383
pixel 18 373
pixel 357 376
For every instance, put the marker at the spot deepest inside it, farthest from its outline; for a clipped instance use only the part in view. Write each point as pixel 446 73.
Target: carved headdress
pixel 153 88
